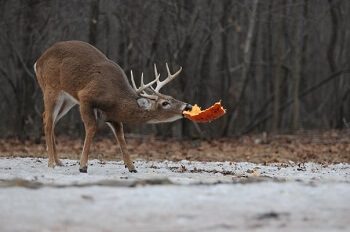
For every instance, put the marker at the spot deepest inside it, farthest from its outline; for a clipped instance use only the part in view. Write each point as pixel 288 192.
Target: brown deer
pixel 75 72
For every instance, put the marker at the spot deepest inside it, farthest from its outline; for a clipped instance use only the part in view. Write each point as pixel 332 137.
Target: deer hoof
pixel 133 171
pixel 51 164
pixel 83 169
pixel 59 163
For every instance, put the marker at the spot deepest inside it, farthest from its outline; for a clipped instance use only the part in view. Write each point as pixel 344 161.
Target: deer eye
pixel 165 104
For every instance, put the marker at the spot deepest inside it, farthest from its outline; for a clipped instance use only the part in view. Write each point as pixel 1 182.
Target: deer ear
pixel 144 103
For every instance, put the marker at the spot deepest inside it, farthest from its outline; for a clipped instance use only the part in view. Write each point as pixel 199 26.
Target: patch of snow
pixel 183 172
pixel 312 197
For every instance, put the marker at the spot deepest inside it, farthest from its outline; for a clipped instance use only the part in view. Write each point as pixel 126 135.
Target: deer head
pixel 161 108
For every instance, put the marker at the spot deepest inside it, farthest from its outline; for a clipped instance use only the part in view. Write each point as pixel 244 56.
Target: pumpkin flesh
pixel 207 115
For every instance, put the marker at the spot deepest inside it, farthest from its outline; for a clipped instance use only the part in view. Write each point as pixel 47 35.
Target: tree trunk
pixel 278 38
pixel 298 40
pixel 246 62
pixel 94 15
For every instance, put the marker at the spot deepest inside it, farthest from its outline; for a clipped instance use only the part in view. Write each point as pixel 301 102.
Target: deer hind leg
pixel 49 104
pixel 88 117
pixel 63 104
pixel 66 104
pixel 118 132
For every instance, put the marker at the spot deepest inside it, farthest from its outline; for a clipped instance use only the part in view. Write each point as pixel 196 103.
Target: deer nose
pixel 188 107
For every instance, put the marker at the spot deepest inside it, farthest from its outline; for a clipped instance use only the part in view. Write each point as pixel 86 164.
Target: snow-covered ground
pixel 173 196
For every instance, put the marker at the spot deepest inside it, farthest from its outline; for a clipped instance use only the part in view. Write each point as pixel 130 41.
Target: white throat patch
pixel 174 118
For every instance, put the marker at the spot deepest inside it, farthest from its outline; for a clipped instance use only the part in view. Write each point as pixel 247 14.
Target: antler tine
pixel 170 77
pixel 133 81
pixel 142 84
pixel 156 72
pixel 167 69
pixel 175 74
pixel 157 75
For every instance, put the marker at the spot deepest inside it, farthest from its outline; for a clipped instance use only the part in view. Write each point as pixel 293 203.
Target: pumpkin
pixel 207 115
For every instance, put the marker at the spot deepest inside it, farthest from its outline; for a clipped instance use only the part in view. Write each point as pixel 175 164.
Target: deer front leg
pixel 118 132
pixel 89 120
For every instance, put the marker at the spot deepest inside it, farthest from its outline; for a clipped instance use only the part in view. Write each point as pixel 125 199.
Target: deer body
pixel 75 72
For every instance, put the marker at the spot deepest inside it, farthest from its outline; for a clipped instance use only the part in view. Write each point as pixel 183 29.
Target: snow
pixel 173 196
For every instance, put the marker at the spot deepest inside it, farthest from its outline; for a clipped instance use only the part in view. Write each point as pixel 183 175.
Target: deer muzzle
pixel 188 107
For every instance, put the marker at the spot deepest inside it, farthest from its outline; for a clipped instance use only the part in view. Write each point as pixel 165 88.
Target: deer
pixel 73 73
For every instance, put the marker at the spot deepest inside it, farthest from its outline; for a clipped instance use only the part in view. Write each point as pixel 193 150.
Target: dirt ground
pixel 320 147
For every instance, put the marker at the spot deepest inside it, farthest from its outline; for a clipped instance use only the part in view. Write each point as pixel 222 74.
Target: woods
pixel 277 66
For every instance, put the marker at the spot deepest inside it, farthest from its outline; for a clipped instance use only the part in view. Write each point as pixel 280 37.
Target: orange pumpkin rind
pixel 207 115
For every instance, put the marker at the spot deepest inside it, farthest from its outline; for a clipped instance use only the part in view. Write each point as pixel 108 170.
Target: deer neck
pixel 140 115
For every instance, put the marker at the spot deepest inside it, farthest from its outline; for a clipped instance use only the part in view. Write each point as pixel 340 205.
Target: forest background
pixel 277 66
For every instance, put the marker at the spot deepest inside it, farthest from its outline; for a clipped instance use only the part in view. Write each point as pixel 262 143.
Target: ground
pixel 321 147
pixel 173 196
pixel 290 183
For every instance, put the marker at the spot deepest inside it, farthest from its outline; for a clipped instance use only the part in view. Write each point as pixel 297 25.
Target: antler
pixel 142 88
pixel 170 77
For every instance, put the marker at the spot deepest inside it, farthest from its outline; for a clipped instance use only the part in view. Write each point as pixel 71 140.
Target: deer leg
pixel 118 132
pixel 63 105
pixel 58 162
pixel 59 106
pixel 88 117
pixel 55 156
pixel 49 104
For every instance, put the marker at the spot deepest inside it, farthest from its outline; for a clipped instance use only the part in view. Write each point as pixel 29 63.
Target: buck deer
pixel 75 72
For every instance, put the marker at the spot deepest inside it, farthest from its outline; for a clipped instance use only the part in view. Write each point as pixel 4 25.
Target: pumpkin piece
pixel 207 115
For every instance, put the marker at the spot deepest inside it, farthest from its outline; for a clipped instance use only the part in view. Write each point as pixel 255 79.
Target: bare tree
pixel 276 65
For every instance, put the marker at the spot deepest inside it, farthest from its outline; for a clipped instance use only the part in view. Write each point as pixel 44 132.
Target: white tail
pixel 74 72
